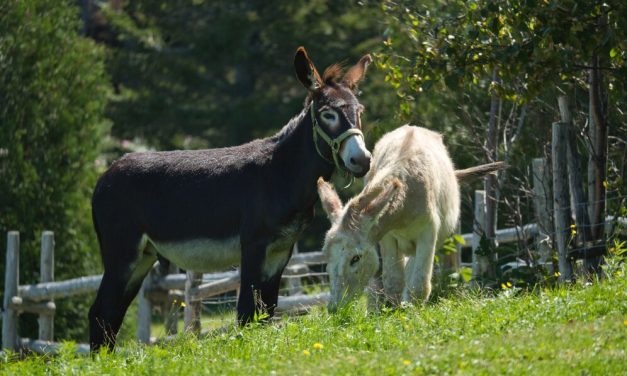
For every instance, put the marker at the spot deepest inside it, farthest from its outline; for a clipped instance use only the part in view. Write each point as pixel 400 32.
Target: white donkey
pixel 409 205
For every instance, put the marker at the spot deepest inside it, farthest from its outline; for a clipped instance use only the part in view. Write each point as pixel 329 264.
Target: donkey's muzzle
pixel 359 166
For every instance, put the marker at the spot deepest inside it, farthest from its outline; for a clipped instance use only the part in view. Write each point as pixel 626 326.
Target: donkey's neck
pixel 382 226
pixel 296 157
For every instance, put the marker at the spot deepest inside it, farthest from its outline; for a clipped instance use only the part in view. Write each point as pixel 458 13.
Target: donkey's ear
pixel 331 202
pixel 382 199
pixel 306 71
pixel 357 72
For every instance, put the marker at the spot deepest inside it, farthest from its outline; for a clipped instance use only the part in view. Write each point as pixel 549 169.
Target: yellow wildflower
pixel 406 362
pixel 318 346
pixel 573 229
pixel 306 352
pixel 509 284
pixel 557 274
pixel 183 304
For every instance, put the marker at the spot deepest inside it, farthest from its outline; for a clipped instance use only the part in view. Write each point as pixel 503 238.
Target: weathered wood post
pixel 578 198
pixel 579 202
pixel 192 307
pixel 491 183
pixel 46 268
pixel 561 209
pixel 597 159
pixel 543 206
pixel 11 283
pixel 294 286
pixel 451 262
pixel 171 306
pixel 480 262
pixel 144 312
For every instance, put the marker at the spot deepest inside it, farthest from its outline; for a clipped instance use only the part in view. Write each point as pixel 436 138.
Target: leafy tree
pixel 53 90
pixel 523 54
pixel 216 73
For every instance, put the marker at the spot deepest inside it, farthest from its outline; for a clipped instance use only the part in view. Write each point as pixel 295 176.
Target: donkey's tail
pixel 479 171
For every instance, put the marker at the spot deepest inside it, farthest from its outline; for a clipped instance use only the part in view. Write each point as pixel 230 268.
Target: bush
pixel 53 90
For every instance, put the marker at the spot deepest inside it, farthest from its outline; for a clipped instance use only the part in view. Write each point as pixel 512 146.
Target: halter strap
pixel 334 143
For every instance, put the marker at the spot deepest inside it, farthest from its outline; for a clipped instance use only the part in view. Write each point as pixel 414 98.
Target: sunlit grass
pixel 580 329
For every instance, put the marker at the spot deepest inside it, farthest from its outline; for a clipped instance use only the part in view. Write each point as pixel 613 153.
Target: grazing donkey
pixel 410 205
pixel 211 209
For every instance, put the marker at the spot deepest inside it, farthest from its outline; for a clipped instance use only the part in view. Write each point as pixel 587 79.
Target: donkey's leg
pixel 269 292
pixel 393 262
pixel 274 264
pixel 250 280
pixel 123 276
pixel 419 270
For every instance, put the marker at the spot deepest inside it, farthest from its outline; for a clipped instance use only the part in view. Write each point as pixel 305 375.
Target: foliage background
pixel 79 86
pixel 53 92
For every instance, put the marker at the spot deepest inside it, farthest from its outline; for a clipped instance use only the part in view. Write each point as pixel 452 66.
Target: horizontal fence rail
pixel 508 235
pixel 63 289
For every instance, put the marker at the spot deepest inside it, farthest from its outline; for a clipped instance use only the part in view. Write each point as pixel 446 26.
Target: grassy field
pixel 577 330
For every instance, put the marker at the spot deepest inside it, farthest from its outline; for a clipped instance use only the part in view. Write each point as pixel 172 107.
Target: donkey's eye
pixel 355 259
pixel 329 116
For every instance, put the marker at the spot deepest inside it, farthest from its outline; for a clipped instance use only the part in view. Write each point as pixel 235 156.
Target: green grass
pixel 562 331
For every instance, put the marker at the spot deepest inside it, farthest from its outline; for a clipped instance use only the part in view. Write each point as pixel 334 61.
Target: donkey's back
pixel 418 158
pixel 179 194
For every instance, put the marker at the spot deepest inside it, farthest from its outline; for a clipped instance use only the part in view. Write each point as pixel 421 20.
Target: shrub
pixel 53 90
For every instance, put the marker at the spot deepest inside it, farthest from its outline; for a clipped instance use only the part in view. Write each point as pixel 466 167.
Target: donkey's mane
pixel 288 128
pixel 332 73
pixel 330 76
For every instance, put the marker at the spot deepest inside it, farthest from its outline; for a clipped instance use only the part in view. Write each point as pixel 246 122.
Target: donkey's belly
pixel 201 255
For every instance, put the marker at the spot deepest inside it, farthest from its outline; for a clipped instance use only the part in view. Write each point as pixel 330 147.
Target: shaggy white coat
pixel 410 204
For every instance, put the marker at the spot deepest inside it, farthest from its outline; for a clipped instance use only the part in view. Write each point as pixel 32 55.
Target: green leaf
pixel 466 273
pixel 452 81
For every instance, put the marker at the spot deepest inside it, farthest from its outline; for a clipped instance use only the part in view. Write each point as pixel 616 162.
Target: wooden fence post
pixel 192 307
pixel 578 201
pixel 46 267
pixel 294 286
pixel 171 306
pixel 543 206
pixel 11 283
pixel 561 210
pixel 452 262
pixel 480 262
pixel 144 311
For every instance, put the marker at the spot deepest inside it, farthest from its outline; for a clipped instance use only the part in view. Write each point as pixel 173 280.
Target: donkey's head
pixel 350 245
pixel 336 112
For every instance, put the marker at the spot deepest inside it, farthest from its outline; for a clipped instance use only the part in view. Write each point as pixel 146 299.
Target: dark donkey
pixel 210 209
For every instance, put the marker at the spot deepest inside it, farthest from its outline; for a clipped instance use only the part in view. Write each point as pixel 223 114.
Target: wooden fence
pixel 171 289
pixel 168 290
pixel 553 211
